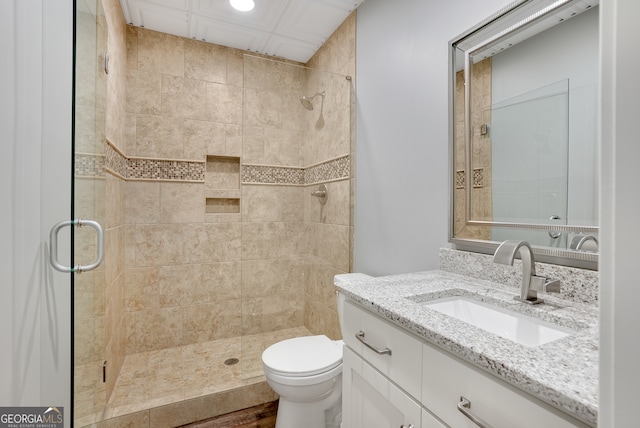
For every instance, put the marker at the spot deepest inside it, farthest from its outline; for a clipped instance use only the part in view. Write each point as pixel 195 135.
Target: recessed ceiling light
pixel 242 5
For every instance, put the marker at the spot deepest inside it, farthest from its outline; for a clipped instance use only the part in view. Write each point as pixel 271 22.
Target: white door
pixel 36 47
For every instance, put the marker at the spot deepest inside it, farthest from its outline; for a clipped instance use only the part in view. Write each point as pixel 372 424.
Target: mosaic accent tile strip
pixel 327 171
pixel 272 174
pixel 158 169
pixel 153 169
pixel 478 177
pixel 89 165
pixel 179 170
pixel 460 178
pixel 115 161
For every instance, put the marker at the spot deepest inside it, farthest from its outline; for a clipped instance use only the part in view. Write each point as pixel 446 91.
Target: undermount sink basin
pixel 522 329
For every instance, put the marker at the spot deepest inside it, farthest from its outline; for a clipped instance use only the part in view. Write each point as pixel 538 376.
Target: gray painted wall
pixel 402 154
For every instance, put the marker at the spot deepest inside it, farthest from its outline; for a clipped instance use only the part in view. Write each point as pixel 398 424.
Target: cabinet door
pixel 370 400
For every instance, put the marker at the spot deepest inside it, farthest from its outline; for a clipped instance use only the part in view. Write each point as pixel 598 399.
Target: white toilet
pixel 307 374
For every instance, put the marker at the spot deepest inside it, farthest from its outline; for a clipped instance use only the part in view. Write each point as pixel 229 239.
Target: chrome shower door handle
pixel 53 245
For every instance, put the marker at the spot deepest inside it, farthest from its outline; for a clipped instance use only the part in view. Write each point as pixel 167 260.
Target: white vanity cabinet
pixel 381 374
pixel 398 380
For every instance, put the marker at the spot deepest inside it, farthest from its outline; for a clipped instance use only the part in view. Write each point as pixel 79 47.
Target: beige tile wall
pixel 184 101
pixel 330 227
pixel 209 100
pixel 273 268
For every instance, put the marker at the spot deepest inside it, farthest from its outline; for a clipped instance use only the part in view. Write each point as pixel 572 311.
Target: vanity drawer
pixel 447 378
pixel 403 365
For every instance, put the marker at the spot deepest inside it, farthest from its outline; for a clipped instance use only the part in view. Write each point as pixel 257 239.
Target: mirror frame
pixel 559 256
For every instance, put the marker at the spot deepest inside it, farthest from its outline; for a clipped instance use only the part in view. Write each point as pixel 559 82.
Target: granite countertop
pixel 563 373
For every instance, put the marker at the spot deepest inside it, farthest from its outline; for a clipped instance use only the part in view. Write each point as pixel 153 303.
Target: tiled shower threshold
pixel 181 385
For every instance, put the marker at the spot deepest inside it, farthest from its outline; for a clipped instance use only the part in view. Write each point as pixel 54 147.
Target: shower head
pixel 306 101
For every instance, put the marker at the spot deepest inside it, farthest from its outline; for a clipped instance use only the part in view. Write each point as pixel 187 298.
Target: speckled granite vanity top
pixel 563 373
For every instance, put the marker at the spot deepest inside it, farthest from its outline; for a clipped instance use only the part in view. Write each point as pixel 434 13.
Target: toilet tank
pixel 346 278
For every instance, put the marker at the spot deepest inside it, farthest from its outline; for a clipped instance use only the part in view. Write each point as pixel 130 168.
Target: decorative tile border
pixel 115 161
pixel 160 169
pixel 89 165
pixel 152 169
pixel 328 171
pixel 259 174
pixel 334 169
pixel 460 178
pixel 183 170
pixel 478 177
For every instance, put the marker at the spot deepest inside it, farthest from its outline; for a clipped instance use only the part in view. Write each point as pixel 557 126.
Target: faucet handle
pixel 544 285
pixel 552 286
pixel 539 284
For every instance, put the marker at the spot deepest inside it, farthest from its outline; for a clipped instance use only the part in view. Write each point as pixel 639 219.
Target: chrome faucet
pixel 531 284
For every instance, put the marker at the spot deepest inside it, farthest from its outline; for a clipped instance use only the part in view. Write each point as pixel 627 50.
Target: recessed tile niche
pixel 222 176
pixel 223 205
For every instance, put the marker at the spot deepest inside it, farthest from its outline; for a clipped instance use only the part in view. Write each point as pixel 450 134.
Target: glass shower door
pixel 89 203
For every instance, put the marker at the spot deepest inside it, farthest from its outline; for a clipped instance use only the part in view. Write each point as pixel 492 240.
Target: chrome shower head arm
pixel 306 100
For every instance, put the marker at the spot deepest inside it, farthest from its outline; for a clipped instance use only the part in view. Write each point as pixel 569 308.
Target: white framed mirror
pixel 523 131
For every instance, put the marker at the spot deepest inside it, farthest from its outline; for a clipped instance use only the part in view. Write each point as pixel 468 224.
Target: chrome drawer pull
pixel 463 406
pixel 406 426
pixel 360 337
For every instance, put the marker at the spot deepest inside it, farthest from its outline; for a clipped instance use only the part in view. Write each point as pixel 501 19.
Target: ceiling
pixel 291 29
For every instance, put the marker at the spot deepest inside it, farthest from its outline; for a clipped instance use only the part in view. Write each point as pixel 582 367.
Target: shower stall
pixel 200 162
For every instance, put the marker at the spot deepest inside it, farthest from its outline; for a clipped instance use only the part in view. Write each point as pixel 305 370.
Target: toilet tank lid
pixel 349 277
pixel 303 356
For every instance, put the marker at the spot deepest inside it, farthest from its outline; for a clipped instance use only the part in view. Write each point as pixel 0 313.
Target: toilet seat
pixel 303 356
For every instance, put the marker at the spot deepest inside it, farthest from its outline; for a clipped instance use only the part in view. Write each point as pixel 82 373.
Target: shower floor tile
pixel 157 378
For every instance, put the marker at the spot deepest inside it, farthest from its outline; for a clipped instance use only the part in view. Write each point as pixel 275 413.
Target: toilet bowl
pixel 306 372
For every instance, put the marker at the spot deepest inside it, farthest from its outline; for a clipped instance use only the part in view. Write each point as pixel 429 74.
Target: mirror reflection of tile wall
pixel 480 177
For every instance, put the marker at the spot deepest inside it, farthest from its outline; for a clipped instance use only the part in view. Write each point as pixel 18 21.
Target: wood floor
pixel 262 416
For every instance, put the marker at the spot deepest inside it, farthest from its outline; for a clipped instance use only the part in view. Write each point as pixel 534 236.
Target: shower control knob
pixel 321 193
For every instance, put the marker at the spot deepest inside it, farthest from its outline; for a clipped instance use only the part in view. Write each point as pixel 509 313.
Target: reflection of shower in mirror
pixel 523 109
